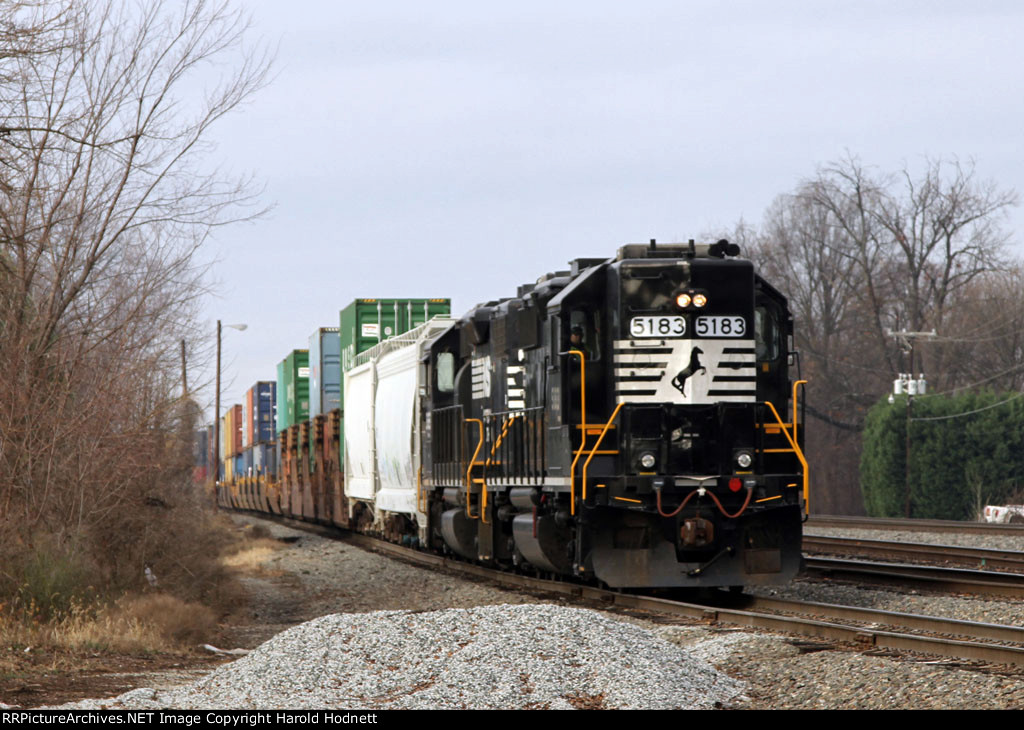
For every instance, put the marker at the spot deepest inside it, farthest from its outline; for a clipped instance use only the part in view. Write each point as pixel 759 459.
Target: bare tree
pixel 104 147
pixel 861 254
pixel 105 198
pixel 982 337
pixel 915 241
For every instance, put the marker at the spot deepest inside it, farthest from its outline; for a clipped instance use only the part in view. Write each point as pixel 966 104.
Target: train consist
pixel 630 421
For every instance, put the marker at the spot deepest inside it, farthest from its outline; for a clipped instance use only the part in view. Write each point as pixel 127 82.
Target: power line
pixel 989 379
pixel 967 413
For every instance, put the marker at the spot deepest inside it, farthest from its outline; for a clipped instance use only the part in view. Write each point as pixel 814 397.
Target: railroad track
pixel 928 577
pixel 865 629
pixel 979 558
pixel 970 640
pixel 985 571
pixel 914 525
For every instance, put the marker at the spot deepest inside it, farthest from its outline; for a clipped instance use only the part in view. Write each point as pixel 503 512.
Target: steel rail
pixel 874 617
pixel 957 580
pixel 914 525
pixel 982 558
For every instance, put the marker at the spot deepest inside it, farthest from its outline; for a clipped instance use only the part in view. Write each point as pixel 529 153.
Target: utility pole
pixel 906 343
pixel 184 376
pixel 906 384
pixel 216 424
pixel 216 409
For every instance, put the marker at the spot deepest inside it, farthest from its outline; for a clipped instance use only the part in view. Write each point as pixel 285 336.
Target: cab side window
pixel 446 372
pixel 585 333
pixel 767 334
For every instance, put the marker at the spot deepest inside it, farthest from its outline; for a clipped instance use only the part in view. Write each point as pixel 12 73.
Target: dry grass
pixel 250 558
pixel 197 584
pixel 150 623
pixel 179 622
pixel 252 547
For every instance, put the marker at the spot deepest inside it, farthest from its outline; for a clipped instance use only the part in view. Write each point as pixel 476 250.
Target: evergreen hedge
pixel 958 463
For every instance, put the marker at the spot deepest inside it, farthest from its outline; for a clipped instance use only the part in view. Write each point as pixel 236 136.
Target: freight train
pixel 631 421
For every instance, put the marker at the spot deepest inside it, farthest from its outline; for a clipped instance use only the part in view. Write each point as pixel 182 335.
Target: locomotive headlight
pixel 700 300
pixel 683 300
pixel 744 459
pixel 647 460
pixel 681 440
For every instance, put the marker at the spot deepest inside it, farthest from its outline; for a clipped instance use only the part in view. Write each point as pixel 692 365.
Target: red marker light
pixel 735 484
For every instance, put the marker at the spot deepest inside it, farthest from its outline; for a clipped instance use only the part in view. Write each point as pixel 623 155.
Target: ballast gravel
pixel 312 576
pixel 492 657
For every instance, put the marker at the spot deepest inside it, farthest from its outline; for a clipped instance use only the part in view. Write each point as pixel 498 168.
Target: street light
pixel 216 415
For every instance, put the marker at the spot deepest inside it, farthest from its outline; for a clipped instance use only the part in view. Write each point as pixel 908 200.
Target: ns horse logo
pixel 679 381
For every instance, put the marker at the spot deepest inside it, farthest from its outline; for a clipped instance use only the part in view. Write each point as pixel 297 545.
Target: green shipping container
pixel 293 390
pixel 365 322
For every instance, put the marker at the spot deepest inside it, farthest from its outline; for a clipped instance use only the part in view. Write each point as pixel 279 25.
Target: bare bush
pixel 104 202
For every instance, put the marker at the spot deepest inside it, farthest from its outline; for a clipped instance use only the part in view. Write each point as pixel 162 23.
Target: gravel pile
pixel 491 657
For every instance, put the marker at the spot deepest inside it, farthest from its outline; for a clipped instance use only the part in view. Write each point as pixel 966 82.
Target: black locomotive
pixel 631 420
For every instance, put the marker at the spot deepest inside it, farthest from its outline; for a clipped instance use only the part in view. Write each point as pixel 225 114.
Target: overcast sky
pixel 459 149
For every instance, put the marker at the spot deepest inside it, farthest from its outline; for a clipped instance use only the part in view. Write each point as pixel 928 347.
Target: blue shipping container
pixel 324 371
pixel 261 412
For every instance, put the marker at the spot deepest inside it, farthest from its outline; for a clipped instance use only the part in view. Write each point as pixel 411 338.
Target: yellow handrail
pixel 796 385
pixel 796 450
pixel 583 429
pixel 469 469
pixel 483 481
pixel 594 450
